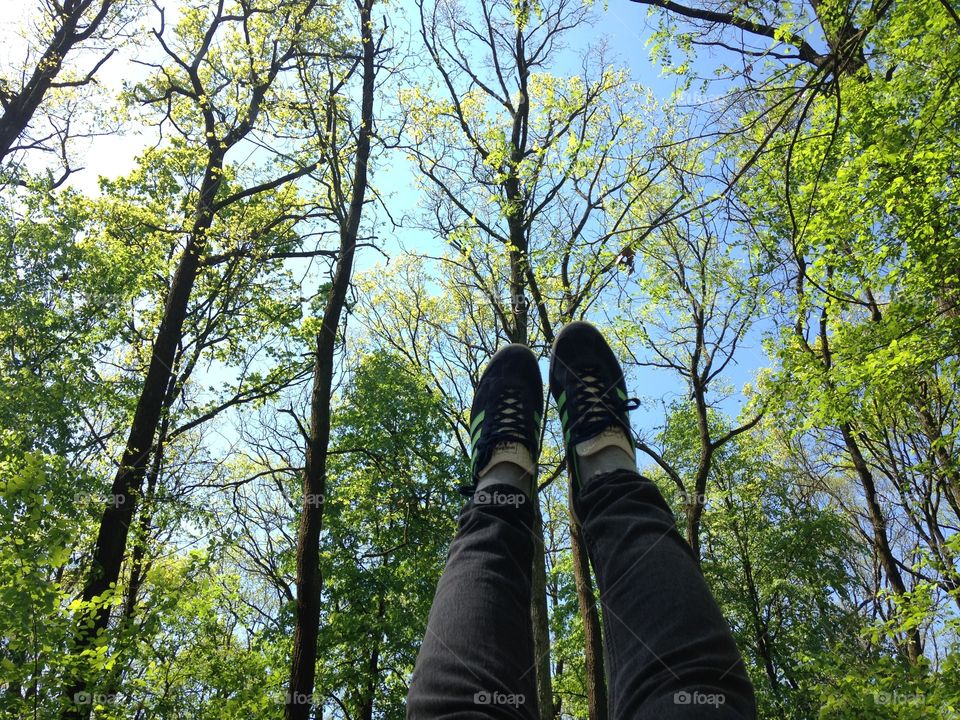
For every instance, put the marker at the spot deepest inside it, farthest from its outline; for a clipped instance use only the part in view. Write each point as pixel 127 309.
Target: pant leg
pixel 669 651
pixel 477 658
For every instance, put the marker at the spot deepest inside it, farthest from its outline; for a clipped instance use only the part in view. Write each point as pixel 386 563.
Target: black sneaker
pixel 587 382
pixel 506 413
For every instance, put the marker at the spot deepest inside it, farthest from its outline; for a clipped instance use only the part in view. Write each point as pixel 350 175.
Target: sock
pixel 510 464
pixel 608 451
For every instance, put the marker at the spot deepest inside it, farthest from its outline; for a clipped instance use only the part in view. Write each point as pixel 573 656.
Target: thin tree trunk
pixel 309 577
pixel 695 502
pixel 943 461
pixel 843 37
pixel 881 544
pixel 540 617
pixel 694 507
pixel 139 564
pixel 593 648
pixel 373 668
pixel 761 630
pixel 539 610
pixel 373 665
pixel 592 638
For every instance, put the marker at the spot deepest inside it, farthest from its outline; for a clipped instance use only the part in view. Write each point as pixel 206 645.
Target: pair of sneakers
pixel 586 381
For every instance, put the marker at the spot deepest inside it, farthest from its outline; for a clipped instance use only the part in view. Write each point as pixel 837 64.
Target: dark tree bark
pixel 539 615
pixel 111 544
pixel 878 523
pixel 592 638
pixel 697 499
pixel 19 107
pixel 843 37
pixel 844 58
pixel 373 666
pixel 758 623
pixel 309 576
pixel 518 332
pixel 805 51
pixel 516 40
pixel 845 41
pixel 912 647
pixel 716 327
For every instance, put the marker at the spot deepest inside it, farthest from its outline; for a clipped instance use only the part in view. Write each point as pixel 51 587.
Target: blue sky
pixel 625 28
pixel 621 24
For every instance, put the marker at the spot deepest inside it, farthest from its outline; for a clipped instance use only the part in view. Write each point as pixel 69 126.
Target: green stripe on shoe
pixel 561 400
pixel 476 421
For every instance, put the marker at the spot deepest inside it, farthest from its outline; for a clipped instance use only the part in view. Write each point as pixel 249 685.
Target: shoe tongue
pixel 610 436
pixel 507 451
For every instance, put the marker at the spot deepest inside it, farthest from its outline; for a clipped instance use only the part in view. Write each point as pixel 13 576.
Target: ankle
pixel 510 464
pixel 503 475
pixel 610 450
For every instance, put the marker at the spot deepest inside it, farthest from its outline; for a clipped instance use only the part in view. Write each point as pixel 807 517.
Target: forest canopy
pixel 256 253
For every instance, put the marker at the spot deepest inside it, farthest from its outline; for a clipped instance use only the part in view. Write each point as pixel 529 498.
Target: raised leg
pixel 477 659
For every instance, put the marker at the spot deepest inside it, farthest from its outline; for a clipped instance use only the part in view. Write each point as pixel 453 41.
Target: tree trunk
pixel 111 542
pixel 941 457
pixel 761 630
pixel 881 544
pixel 595 680
pixel 843 37
pixel 309 577
pixel 373 665
pixel 539 615
pixel 694 514
pixel 698 383
pixel 593 648
pixel 696 501
pixel 539 611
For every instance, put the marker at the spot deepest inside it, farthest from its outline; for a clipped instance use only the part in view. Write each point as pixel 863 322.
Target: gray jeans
pixel 669 651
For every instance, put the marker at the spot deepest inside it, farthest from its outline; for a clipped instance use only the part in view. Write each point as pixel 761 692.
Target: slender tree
pixel 188 90
pixel 695 307
pixel 347 196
